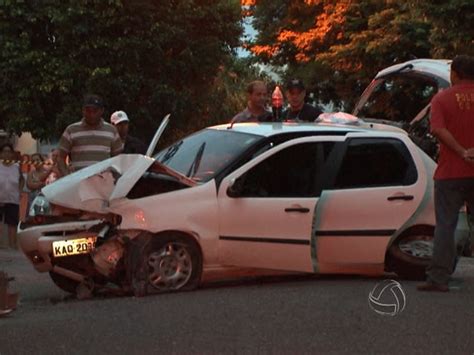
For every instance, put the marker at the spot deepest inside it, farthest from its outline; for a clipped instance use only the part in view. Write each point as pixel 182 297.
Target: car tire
pixel 64 283
pixel 165 264
pixel 410 255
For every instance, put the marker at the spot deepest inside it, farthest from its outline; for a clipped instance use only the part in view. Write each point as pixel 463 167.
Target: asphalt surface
pixel 254 315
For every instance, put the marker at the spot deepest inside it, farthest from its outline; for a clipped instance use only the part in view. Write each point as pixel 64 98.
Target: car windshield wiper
pixel 197 161
pixel 171 152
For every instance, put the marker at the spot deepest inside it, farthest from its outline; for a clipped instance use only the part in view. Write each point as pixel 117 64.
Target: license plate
pixel 73 246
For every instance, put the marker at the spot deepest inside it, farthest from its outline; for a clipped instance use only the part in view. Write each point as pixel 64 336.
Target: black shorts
pixel 10 212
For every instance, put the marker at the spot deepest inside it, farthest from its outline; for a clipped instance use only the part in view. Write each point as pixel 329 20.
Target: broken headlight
pixel 40 207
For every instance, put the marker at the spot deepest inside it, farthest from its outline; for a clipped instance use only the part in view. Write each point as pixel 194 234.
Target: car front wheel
pixel 167 263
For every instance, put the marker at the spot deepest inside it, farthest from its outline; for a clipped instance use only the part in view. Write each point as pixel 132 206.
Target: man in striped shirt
pixel 90 140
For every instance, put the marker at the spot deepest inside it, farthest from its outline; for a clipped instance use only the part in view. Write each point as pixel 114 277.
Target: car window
pixel 291 172
pixel 204 154
pixel 399 98
pixel 376 162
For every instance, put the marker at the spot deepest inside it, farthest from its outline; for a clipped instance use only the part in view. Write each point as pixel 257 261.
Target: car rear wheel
pixel 168 263
pixel 410 255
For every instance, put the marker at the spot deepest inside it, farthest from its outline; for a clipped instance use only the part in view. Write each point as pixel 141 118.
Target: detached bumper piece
pixel 8 301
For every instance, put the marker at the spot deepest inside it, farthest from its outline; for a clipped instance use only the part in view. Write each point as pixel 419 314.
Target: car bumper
pixel 36 241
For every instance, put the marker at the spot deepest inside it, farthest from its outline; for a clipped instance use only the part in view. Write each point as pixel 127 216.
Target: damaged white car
pixel 300 197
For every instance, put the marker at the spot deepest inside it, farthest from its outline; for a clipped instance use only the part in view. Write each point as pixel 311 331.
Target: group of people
pixel 82 144
pixel 256 110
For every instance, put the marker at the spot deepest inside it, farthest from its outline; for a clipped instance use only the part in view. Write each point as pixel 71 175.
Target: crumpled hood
pixel 93 188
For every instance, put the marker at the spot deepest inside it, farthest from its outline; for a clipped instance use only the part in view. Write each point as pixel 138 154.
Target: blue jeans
pixel 449 196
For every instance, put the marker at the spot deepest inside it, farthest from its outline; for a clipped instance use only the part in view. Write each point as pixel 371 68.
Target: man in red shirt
pixel 452 122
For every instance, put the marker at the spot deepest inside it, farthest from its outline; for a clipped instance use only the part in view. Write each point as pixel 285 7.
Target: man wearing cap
pixel 257 99
pixel 131 145
pixel 90 140
pixel 299 110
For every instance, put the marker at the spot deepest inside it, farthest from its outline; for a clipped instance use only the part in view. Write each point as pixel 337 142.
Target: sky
pixel 249 33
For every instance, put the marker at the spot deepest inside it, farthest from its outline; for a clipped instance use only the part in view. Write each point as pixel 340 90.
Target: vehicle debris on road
pixel 8 301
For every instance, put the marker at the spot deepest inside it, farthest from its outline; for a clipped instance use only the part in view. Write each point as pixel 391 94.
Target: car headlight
pixel 40 207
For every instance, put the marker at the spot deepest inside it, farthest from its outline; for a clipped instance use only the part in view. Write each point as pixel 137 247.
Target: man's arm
pixel 439 130
pixel 62 166
pixel 448 139
pixel 65 147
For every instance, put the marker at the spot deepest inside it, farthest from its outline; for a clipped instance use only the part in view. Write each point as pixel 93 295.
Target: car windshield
pixel 202 155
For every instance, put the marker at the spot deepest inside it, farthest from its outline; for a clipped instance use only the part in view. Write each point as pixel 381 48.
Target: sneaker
pixel 432 287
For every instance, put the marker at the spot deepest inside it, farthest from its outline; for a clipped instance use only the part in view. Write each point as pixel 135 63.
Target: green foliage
pixel 146 57
pixel 452 30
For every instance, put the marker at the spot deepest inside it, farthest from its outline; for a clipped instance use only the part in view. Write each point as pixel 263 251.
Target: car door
pixel 379 184
pixel 266 207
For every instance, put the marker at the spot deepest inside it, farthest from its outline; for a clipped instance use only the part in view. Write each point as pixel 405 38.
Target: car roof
pixel 434 67
pixel 268 129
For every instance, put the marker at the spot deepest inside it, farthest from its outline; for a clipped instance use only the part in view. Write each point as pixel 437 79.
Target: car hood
pixel 93 188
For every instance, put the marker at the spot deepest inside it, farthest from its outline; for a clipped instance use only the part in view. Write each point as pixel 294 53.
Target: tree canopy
pixel 150 58
pixel 145 57
pixel 338 46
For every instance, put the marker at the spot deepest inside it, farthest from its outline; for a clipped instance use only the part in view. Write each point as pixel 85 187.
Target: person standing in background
pixel 257 95
pixel 37 176
pixel 452 122
pixel 131 145
pixel 299 110
pixel 90 140
pixel 52 164
pixel 25 167
pixel 10 188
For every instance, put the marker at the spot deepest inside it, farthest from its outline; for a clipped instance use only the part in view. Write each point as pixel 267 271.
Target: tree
pixel 338 47
pixel 143 56
pixel 452 30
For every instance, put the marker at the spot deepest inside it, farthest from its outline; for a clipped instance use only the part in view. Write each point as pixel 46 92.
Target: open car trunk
pixel 400 95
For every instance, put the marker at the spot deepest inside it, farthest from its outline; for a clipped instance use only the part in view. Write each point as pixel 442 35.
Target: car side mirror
pixel 235 188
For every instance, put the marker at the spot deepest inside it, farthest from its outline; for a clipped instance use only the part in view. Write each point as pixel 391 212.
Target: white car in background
pixel 321 197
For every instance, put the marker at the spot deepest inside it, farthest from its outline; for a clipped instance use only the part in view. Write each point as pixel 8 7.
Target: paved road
pixel 281 315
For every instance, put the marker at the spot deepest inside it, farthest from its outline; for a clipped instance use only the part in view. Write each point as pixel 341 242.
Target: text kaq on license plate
pixel 73 246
